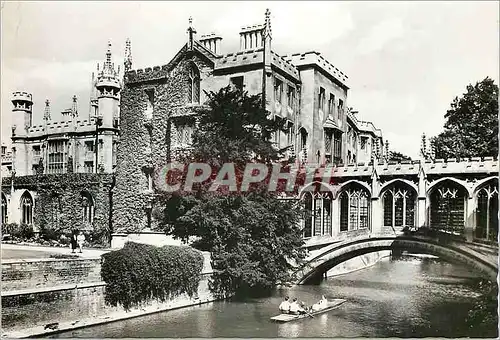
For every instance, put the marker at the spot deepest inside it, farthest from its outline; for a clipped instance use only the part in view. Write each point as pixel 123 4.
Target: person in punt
pixel 320 305
pixel 285 306
pixel 296 308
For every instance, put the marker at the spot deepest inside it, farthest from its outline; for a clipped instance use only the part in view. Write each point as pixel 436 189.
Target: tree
pixel 395 156
pixel 253 236
pixel 471 127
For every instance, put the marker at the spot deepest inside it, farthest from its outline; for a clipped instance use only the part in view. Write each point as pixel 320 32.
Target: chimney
pixel 211 42
pixel 251 37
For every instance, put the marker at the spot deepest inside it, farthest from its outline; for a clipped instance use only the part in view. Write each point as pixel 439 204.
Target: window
pixel 364 140
pixel 26 208
pixel 4 210
pixel 114 154
pixel 290 134
pixel 290 96
pixel 193 84
pixel 487 212
pixel 237 82
pixel 88 166
pixel 331 104
pixel 399 206
pixel 36 155
pixel 337 147
pixel 340 109
pixel 184 133
pixel 87 207
pixel 321 99
pixel 278 87
pixel 448 207
pixel 4 150
pixel 354 208
pixel 57 157
pixel 150 94
pixel 89 146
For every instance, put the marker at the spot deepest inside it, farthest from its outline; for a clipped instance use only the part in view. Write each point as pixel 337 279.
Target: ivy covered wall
pixel 146 136
pixel 57 200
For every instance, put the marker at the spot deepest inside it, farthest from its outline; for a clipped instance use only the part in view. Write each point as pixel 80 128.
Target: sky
pixel 406 61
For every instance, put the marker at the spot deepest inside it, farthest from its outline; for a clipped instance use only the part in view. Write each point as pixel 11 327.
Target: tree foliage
pixel 395 156
pixel 471 127
pixel 140 273
pixel 253 236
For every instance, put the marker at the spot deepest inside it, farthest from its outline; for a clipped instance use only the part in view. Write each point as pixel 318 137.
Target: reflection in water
pixel 408 297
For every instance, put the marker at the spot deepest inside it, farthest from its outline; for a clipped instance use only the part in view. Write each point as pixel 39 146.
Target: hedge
pixel 140 273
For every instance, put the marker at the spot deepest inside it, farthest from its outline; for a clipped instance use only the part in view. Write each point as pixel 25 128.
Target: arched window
pixel 4 209
pixel 87 207
pixel 26 208
pixel 399 206
pixel 448 207
pixel 487 212
pixel 318 214
pixel 354 208
pixel 193 84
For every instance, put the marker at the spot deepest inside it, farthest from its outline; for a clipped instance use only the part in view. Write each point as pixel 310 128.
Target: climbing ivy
pixel 140 273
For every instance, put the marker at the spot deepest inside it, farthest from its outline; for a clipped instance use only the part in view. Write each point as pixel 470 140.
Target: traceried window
pixel 318 214
pixel 56 157
pixel 193 84
pixel 354 208
pixel 340 109
pixel 87 207
pixel 399 206
pixel 88 166
pixel 184 133
pixel 487 212
pixel 337 146
pixel 448 207
pixel 364 140
pixel 26 208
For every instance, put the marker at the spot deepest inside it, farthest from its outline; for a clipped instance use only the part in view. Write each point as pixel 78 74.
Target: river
pixel 405 297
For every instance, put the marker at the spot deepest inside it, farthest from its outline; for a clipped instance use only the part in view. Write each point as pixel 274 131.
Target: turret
pixel 128 56
pixel 108 87
pixel 21 113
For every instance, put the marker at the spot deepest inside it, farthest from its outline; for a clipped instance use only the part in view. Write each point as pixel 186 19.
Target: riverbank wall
pixel 358 263
pixel 44 296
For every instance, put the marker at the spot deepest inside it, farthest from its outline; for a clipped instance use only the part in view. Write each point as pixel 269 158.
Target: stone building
pixel 59 174
pixel 159 106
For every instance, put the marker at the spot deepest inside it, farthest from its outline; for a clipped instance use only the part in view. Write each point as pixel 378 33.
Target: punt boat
pixel 331 304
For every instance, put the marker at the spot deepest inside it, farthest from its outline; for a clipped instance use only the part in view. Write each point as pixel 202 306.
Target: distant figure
pixel 73 241
pixel 285 306
pixel 81 240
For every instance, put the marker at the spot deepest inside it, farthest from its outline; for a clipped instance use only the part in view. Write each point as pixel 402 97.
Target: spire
pixel 191 32
pixel 423 147
pixel 267 26
pixel 128 55
pixel 46 113
pixel 74 107
pixel 108 68
pixel 387 149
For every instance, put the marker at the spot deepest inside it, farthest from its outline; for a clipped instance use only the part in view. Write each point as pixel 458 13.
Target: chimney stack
pixel 211 42
pixel 251 37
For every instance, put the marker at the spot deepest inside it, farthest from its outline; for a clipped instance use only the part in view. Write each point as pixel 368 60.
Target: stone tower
pixel 108 86
pixel 22 116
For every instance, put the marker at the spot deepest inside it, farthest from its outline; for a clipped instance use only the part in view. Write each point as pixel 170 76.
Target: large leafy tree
pixel 471 127
pixel 253 236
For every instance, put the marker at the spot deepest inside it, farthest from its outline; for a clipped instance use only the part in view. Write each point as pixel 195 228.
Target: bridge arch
pixel 453 252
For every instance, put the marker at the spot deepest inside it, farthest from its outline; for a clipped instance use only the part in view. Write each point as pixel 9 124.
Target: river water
pixel 407 297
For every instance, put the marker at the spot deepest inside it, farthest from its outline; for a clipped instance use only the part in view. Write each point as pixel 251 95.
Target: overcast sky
pixel 406 61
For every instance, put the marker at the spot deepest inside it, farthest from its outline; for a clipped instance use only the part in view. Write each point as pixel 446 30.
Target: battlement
pixel 20 95
pixel 147 74
pixel 284 64
pixel 209 36
pixel 315 58
pixel 487 165
pixel 241 58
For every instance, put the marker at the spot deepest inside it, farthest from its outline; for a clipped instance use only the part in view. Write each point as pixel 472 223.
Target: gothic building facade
pixel 159 107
